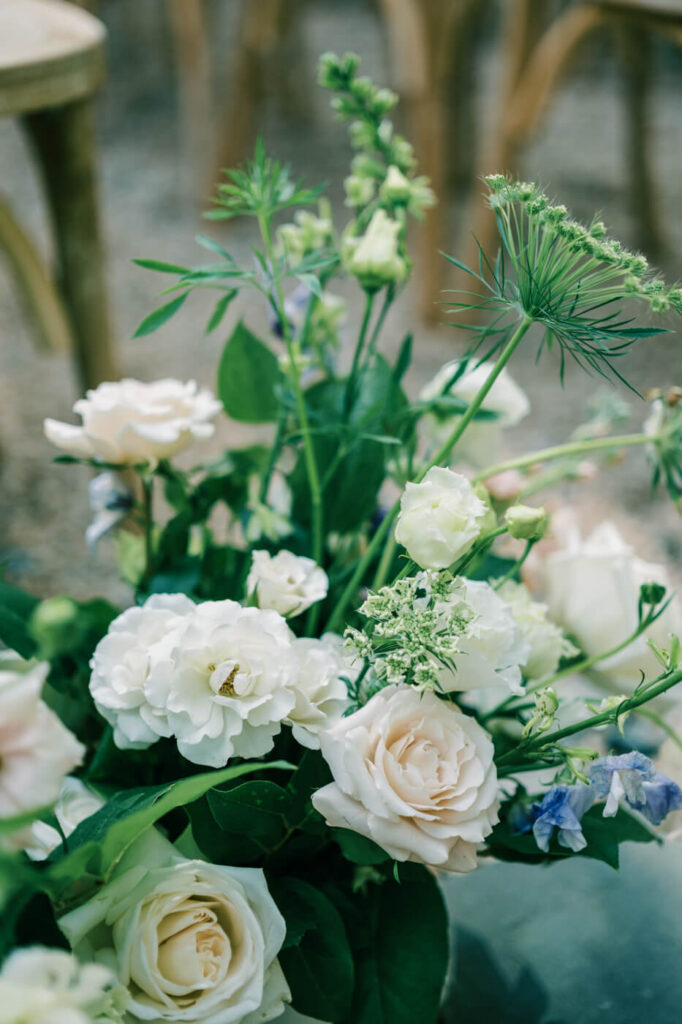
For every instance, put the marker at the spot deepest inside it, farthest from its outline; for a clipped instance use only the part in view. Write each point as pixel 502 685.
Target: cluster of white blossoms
pixel 50 986
pixel 219 677
pixel 36 749
pixel 506 405
pixel 127 422
pixel 191 941
pixel 286 583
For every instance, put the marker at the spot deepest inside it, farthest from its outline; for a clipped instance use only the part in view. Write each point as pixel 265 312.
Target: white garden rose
pixel 49 986
pixel 481 441
pixel 191 941
pixel 592 587
pixel 413 774
pixel 286 583
pixel 546 640
pixel 36 749
pixel 223 681
pixel 120 669
pixel 75 803
pixel 129 421
pixel 440 518
pixel 492 648
pixel 320 690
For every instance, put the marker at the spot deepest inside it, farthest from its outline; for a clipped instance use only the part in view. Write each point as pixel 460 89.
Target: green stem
pixel 516 566
pixel 148 526
pixel 662 724
pixel 551 739
pixel 388 300
pixel 357 355
pixel 336 620
pixel 561 450
pixel 274 455
pixel 385 561
pixel 308 449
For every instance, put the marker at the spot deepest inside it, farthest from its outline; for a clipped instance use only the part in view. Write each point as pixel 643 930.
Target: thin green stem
pixel 274 454
pixel 357 355
pixel 514 568
pixel 148 527
pixel 662 724
pixel 561 450
pixel 308 448
pixel 538 743
pixel 336 620
pixel 385 562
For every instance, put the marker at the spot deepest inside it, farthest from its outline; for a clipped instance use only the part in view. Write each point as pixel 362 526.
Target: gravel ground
pixel 146 211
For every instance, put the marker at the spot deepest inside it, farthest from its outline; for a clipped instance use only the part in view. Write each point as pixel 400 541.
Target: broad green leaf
pixel 255 809
pixel 17 821
pixel 98 843
pixel 358 849
pixel 16 608
pixel 316 958
pixel 160 316
pixel 247 378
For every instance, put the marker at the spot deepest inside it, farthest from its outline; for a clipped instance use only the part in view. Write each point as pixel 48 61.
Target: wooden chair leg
pixel 42 301
pixel 635 53
pixel 64 143
pixel 190 42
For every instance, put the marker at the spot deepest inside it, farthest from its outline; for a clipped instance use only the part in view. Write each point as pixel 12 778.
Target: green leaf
pixel 247 378
pixel 98 843
pixel 316 958
pixel 358 849
pixel 159 317
pixel 16 608
pixel 160 267
pixel 255 809
pixel 400 945
pixel 17 821
pixel 220 310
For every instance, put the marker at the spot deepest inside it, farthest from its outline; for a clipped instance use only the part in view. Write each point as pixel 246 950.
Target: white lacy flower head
pixel 120 669
pixel 546 640
pixel 592 588
pixel 36 749
pixel 224 681
pixel 129 421
pixel 75 803
pixel 480 443
pixel 286 583
pixel 375 258
pixel 492 648
pixel 440 518
pixel 49 986
pixel 321 690
pixel 413 774
pixel 191 941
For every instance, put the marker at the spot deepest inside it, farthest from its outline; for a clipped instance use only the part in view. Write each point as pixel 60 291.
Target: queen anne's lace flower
pixel 413 774
pixel 129 421
pixel 49 986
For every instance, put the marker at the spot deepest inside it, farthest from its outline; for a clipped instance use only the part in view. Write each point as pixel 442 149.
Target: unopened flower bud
pixel 525 522
pixel 396 187
pixel 652 593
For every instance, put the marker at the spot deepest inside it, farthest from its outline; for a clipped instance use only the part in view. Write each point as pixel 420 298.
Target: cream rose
pixel 286 583
pixel 190 941
pixel 75 803
pixel 49 986
pixel 129 421
pixel 440 518
pixel 415 775
pixel 480 444
pixel 36 749
pixel 320 690
pixel 592 588
pixel 547 643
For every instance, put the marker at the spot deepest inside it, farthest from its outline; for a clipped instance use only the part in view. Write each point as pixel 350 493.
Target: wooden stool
pixel 534 70
pixel 51 63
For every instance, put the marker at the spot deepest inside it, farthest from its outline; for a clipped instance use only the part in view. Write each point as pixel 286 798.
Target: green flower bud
pixel 396 187
pixel 652 593
pixel 54 625
pixel 525 522
pixel 375 258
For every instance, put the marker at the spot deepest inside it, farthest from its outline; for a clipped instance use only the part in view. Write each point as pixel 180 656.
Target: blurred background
pixel 584 97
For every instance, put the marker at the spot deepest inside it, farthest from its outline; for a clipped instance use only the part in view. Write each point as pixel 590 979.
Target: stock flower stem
pixel 336 620
pixel 148 525
pixel 309 451
pixel 561 450
pixel 357 355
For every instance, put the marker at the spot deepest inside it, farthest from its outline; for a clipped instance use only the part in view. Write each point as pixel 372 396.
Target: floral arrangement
pixel 240 792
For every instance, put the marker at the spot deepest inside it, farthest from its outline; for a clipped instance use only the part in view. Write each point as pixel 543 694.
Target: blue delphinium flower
pixel 632 777
pixel 562 807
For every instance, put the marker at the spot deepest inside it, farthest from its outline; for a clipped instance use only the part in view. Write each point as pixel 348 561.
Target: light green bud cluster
pixel 307 234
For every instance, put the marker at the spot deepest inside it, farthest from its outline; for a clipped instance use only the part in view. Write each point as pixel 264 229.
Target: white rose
pixel 120 667
pixel 75 803
pixel 320 691
pixel 222 680
pixel 285 582
pixel 36 749
pixel 413 774
pixel 374 258
pixel 440 518
pixel 130 421
pixel 191 941
pixel 592 589
pixel 49 986
pixel 492 649
pixel 481 441
pixel 547 642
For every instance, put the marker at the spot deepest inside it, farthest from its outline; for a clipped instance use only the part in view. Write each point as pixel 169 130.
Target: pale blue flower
pixel 112 501
pixel 633 778
pixel 562 807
